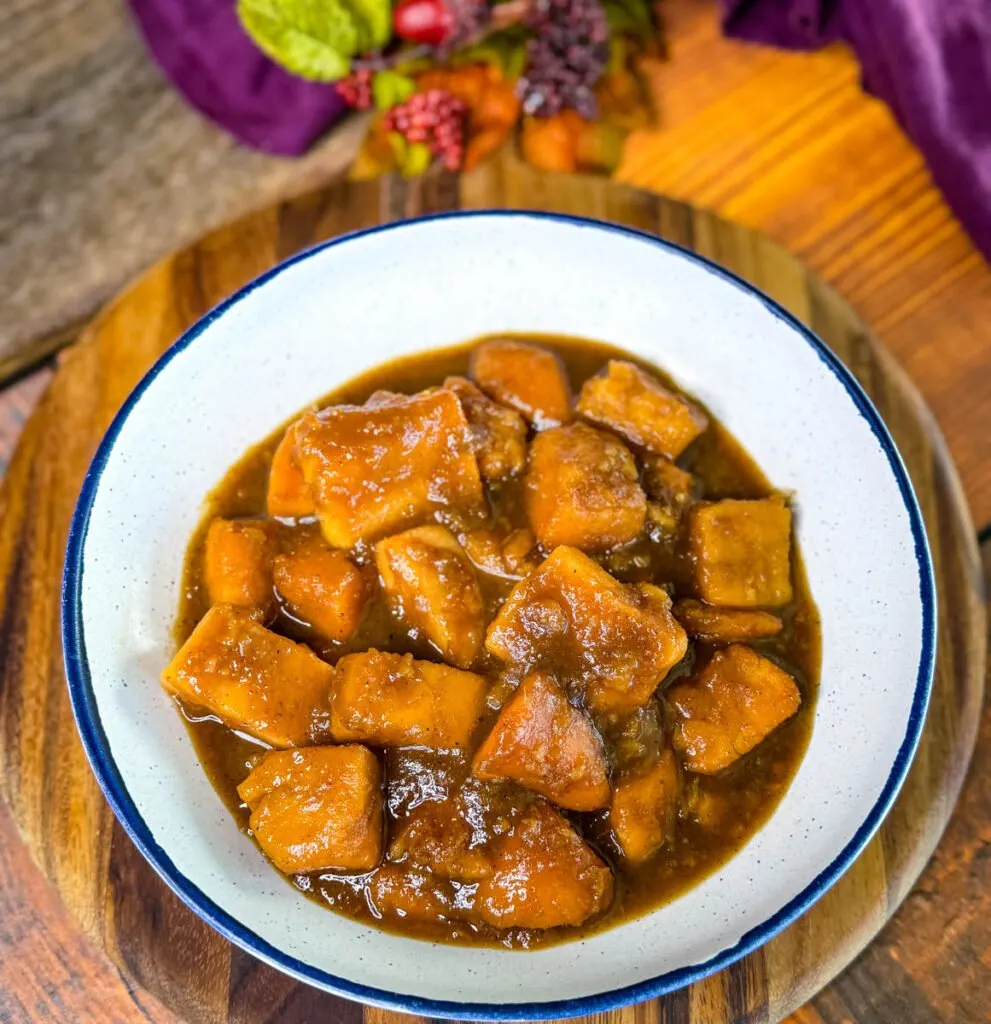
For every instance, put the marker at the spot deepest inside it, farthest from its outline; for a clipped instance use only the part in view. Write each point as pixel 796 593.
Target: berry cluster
pixel 565 58
pixel 356 89
pixel 435 117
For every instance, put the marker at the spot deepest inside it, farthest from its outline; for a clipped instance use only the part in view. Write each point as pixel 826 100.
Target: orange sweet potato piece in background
pixel 430 582
pixel 644 803
pixel 288 495
pixel 323 588
pixel 583 489
pixel 527 378
pixel 545 744
pixel 374 468
pixel 571 616
pixel 317 809
pixel 499 433
pixel 251 678
pixel 636 406
pixel 736 701
pixel 742 552
pixel 237 563
pixel 724 625
pixel 393 700
pixel 545 875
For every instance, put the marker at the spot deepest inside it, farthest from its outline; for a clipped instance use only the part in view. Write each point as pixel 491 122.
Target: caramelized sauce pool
pixel 717 814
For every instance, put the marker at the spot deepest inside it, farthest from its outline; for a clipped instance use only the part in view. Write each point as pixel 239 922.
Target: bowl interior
pixel 343 308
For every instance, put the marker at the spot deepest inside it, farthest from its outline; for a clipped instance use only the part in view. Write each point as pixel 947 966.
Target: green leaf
pixel 632 17
pixel 314 39
pixel 374 19
pixel 390 89
pixel 505 49
pixel 418 159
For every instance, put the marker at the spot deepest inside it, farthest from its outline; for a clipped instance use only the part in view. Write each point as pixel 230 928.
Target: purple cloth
pixel 210 59
pixel 929 60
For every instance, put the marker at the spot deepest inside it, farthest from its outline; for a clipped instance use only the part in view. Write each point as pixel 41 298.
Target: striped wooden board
pixel 119 901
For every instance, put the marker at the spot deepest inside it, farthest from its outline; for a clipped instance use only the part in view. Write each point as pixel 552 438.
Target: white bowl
pixel 332 312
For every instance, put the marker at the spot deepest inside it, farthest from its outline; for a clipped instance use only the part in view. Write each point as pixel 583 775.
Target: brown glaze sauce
pixel 717 814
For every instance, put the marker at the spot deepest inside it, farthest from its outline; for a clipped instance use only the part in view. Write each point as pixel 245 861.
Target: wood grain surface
pixel 104 169
pixel 105 883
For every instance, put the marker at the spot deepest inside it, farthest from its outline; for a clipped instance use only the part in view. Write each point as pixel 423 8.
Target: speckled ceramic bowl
pixel 337 310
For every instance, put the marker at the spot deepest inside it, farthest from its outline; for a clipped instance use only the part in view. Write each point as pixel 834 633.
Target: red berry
pixel 356 90
pixel 423 21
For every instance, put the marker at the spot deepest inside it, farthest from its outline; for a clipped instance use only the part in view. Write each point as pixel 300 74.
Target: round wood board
pixel 105 882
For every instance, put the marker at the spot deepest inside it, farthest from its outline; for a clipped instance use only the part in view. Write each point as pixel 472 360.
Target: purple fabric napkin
pixel 210 59
pixel 929 60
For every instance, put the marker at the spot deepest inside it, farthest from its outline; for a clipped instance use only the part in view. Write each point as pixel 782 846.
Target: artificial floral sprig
pixel 453 79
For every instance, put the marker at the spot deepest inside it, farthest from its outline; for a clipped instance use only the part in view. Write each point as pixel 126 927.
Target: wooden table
pixel 781 142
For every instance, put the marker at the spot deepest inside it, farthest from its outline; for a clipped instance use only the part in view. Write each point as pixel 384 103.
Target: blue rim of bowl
pixel 87 716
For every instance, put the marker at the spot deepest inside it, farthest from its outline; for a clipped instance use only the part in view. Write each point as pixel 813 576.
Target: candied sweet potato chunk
pixel 540 741
pixel 742 552
pixel 509 555
pixel 372 469
pixel 317 809
pixel 629 401
pixel 410 894
pixel 288 495
pixel 583 489
pixel 434 836
pixel 545 875
pixel 237 563
pixel 430 582
pixel 251 678
pixel 322 588
pixel 525 377
pixel 643 808
pixel 571 616
pixel 666 482
pixel 724 625
pixel 393 700
pixel 736 701
pixel 499 434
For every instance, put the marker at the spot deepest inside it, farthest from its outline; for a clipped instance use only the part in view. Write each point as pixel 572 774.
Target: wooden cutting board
pixel 118 899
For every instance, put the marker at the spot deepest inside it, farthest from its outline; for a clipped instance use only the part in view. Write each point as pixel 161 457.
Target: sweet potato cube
pixel 393 700
pixel 436 837
pixel 251 678
pixel 498 433
pixel 237 563
pixel 636 406
pixel 666 482
pixel 642 813
pixel 525 377
pixel 508 555
pixel 735 702
pixel 372 469
pixel 583 489
pixel 431 584
pixel 724 625
pixel 410 894
pixel 742 552
pixel 545 744
pixel 545 875
pixel 288 495
pixel 317 809
pixel 322 588
pixel 570 616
